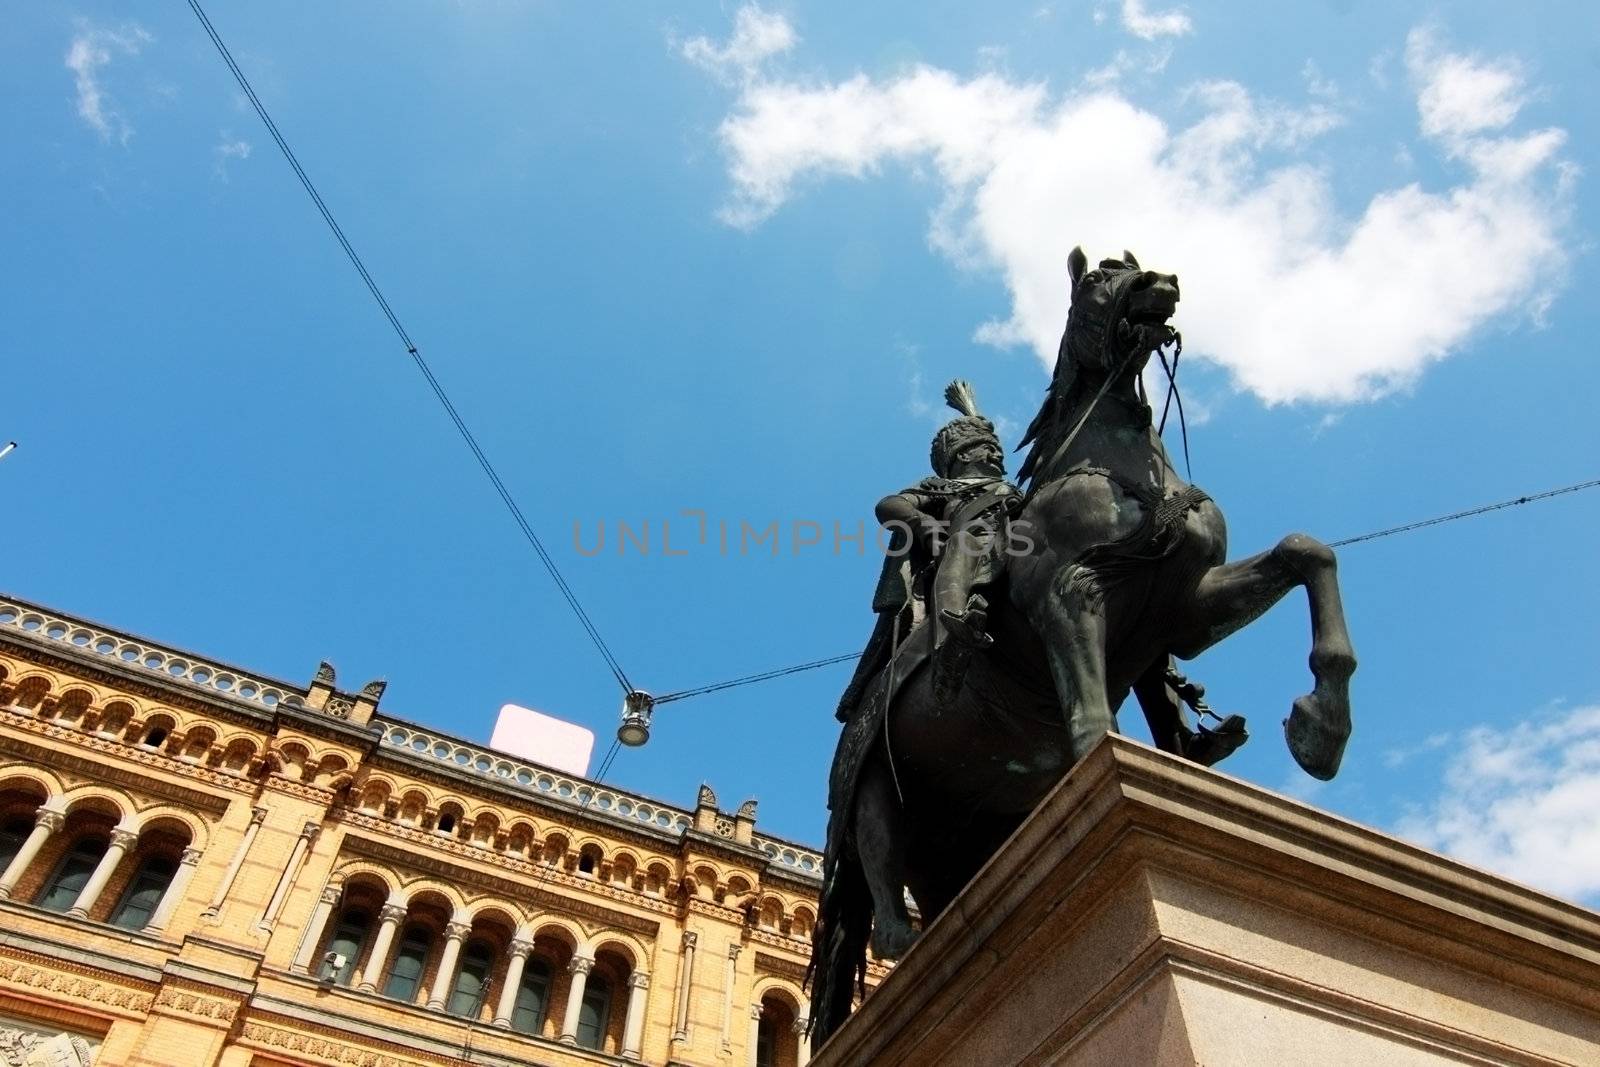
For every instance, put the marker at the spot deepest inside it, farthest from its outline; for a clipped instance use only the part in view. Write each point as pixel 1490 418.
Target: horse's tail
pixel 839 939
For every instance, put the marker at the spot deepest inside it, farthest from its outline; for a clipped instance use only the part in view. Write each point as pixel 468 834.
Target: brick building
pixel 200 865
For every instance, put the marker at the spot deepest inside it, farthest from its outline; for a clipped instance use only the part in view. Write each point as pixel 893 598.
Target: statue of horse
pixel 1127 570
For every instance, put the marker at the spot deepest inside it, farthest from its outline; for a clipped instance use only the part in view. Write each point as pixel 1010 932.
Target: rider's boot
pixel 967 626
pixel 954 656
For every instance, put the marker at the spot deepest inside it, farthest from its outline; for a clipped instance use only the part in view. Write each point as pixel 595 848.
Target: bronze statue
pixel 949 541
pixel 1125 571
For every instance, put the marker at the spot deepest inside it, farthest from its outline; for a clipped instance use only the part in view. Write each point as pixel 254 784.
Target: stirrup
pixel 1208 746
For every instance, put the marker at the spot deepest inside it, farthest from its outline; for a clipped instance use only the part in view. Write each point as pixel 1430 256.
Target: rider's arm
pixel 918 512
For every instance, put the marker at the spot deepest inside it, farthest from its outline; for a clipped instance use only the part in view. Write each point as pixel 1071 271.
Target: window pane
pixel 347 941
pixel 144 893
pixel 528 1018
pixel 592 1015
pixel 766 1042
pixel 71 875
pixel 405 974
pixel 467 997
pixel 12 835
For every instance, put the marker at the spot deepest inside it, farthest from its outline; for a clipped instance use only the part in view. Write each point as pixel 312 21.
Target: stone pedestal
pixel 1151 912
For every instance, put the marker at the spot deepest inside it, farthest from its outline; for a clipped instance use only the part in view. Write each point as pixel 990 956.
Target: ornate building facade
pixel 200 865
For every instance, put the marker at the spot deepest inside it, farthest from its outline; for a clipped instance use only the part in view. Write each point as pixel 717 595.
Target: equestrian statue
pixel 1014 621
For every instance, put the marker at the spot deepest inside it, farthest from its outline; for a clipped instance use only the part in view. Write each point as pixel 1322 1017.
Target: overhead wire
pixel 532 536
pixel 460 424
pixel 1482 509
pixel 1437 520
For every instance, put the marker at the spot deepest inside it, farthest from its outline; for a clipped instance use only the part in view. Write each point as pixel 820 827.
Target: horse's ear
pixel 1077 263
pixel 1127 257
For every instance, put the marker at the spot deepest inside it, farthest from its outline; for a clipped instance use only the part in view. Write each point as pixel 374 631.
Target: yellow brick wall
pixel 220 988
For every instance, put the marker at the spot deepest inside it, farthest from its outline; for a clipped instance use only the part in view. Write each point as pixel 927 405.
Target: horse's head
pixel 1118 318
pixel 1119 314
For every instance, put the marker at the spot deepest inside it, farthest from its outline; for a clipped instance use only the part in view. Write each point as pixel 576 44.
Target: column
pixel 633 1026
pixel 177 889
pixel 802 1030
pixel 286 880
pixel 315 929
pixel 444 981
pixel 727 995
pixel 513 983
pixel 392 915
pixel 580 968
pixel 680 1025
pixel 221 894
pixel 45 823
pixel 755 1034
pixel 121 842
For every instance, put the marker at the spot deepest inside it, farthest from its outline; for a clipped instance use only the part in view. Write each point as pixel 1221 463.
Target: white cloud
pixel 228 148
pixel 1297 300
pixel 1152 24
pixel 93 49
pixel 1524 801
pixel 757 36
pixel 1459 96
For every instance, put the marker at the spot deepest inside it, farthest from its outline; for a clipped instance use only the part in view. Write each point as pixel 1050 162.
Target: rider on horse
pixel 954 524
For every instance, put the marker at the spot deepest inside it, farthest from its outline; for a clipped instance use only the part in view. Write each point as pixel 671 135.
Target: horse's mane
pixel 1065 398
pixel 1051 425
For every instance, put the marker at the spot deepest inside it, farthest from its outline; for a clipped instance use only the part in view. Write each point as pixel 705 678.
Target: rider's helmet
pixel 957 434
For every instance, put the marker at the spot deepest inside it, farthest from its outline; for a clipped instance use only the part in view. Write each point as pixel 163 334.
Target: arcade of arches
pixel 202 866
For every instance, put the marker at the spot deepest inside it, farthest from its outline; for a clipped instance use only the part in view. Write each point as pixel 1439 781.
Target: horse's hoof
pixel 1317 733
pixel 892 943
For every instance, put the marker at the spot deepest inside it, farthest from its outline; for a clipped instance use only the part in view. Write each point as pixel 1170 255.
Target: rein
pixel 1172 391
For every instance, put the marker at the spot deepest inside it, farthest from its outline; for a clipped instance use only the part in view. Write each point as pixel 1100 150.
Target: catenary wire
pixel 751 679
pixel 460 424
pixel 1482 509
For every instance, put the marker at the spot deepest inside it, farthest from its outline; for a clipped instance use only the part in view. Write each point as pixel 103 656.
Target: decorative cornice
pixel 784 941
pixel 277 783
pixel 136 681
pixel 719 912
pixel 746 856
pixel 101 770
pixel 179 1001
pixel 509 889
pixel 766 963
pixel 54 979
pixel 539 805
pixel 541 873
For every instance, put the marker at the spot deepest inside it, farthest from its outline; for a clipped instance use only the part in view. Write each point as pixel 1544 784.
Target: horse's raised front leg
pixel 1072 623
pixel 1234 594
pixel 881 834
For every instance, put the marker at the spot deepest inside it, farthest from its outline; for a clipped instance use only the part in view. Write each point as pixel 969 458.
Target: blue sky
pixel 671 257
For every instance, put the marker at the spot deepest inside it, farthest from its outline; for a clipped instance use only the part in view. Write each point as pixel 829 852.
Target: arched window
pixel 533 998
pixel 767 1042
pixel 144 892
pixel 13 832
pixel 405 974
pixel 344 947
pixel 466 998
pixel 72 873
pixel 594 1013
